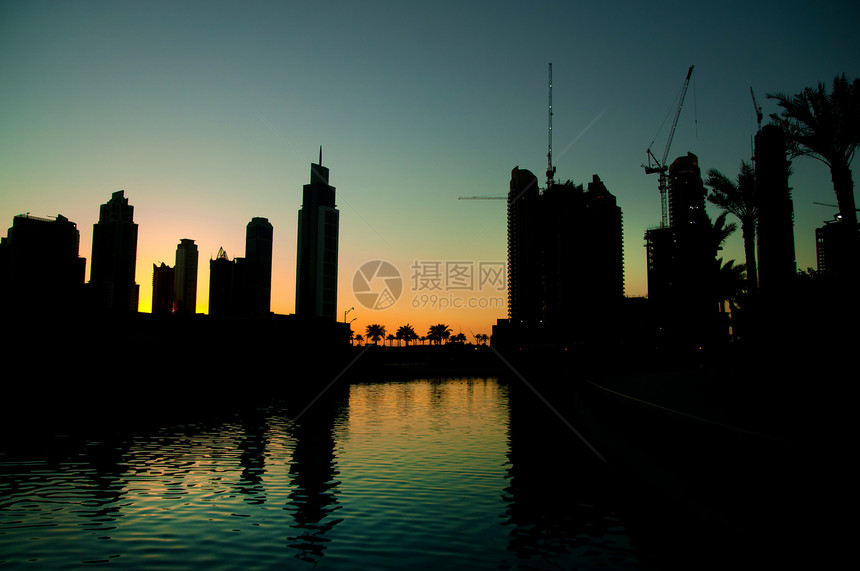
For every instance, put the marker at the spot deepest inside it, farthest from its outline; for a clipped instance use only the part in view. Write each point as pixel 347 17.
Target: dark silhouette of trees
pixel 720 232
pixel 406 333
pixel 826 127
pixel 459 338
pixel 375 332
pixel 738 198
pixel 438 332
pixel 730 284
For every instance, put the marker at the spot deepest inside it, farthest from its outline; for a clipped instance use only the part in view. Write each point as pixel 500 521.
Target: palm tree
pixel 826 127
pixel 359 338
pixel 482 338
pixel 730 289
pixel 738 198
pixel 390 338
pixel 730 283
pixel 720 232
pixel 375 332
pixel 438 332
pixel 407 333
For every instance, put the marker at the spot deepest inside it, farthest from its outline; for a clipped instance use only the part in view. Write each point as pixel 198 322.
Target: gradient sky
pixel 209 113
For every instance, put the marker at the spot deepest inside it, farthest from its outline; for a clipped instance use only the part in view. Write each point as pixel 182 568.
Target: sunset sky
pixel 209 113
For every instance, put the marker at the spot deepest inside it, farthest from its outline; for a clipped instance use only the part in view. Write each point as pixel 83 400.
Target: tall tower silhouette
pixel 258 261
pixel 316 266
pixel 525 282
pixel 185 278
pixel 115 256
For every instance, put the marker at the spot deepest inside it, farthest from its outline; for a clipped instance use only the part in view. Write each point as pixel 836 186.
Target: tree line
pixel 436 334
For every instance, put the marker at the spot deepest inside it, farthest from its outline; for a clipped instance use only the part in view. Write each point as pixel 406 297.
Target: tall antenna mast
pixel 550 170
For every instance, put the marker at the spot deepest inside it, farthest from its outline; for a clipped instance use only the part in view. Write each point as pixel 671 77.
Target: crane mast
pixel 758 113
pixel 550 170
pixel 661 168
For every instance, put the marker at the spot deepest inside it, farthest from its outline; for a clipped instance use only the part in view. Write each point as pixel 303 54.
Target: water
pixel 416 474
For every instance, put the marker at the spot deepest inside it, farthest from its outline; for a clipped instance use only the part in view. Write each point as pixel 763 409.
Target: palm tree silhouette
pixel 438 332
pixel 730 283
pixel 720 232
pixel 375 332
pixel 826 127
pixel 407 333
pixel 738 198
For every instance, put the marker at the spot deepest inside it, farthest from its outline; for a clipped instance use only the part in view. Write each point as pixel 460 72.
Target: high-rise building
pixel 40 270
pixel 221 293
pixel 163 282
pixel 525 279
pixel 115 256
pixel 583 263
pixel 185 278
pixel 686 192
pixel 316 267
pixel 258 263
pixel 835 255
pixel 775 228
pixel 606 240
pixel 243 286
pixel 682 268
pixel 565 257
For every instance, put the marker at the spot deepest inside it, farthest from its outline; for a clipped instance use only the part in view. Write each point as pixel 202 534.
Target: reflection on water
pixel 398 474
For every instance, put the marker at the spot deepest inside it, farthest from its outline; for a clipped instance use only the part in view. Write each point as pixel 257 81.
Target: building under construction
pixel 682 268
pixel 565 258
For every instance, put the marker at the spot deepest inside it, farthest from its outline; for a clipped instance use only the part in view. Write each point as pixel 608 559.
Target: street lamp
pixel 345 312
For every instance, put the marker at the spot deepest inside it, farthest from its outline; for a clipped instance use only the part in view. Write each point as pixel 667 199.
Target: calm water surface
pixel 412 474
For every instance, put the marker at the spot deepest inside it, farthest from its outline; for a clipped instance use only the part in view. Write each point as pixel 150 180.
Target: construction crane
pixel 655 166
pixel 550 170
pixel 758 114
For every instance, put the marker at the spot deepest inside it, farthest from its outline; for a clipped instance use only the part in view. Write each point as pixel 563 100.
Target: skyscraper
pixel 775 229
pixel 115 256
pixel 682 268
pixel 163 282
pixel 40 270
pixel 316 267
pixel 258 264
pixel 583 263
pixel 525 282
pixel 222 297
pixel 686 192
pixel 565 258
pixel 185 278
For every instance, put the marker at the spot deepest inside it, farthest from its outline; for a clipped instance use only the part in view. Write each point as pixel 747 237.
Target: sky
pixel 208 114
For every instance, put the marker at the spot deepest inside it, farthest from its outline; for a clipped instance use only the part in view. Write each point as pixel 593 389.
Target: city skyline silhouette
pixel 206 130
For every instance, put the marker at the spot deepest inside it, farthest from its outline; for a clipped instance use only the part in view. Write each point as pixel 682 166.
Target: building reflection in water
pixel 559 504
pixel 253 448
pixel 313 473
